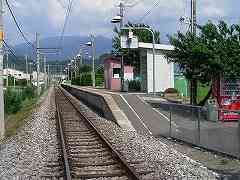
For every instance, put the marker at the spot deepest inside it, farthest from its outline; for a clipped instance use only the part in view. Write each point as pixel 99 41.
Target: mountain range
pixel 71 46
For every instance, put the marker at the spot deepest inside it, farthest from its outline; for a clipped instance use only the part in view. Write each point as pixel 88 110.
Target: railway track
pixel 86 153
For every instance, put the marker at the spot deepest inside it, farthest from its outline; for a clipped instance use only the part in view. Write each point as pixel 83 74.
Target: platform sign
pixel 129 43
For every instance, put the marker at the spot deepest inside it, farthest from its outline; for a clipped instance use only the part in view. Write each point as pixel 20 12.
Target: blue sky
pixel 93 16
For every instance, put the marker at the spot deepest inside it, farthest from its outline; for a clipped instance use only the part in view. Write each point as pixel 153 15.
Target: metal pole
pixel 122 59
pixel 30 72
pixel 45 71
pixel 170 122
pixel 26 59
pixel 154 61
pixel 7 69
pixel 48 75
pixel 193 31
pixel 38 63
pixel 93 60
pixel 199 125
pixel 14 79
pixel 193 17
pixel 2 125
pixel 75 67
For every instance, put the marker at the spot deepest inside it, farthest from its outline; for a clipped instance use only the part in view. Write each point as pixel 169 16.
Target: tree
pixel 213 53
pixel 132 56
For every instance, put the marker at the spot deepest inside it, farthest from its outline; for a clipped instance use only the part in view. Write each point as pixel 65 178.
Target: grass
pixel 14 121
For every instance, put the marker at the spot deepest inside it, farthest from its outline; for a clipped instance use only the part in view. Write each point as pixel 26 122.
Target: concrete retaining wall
pixel 95 101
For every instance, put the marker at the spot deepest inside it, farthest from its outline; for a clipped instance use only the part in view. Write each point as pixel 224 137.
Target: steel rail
pixel 63 144
pixel 131 172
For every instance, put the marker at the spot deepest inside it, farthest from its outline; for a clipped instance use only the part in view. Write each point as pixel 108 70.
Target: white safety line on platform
pixel 136 114
pixel 173 123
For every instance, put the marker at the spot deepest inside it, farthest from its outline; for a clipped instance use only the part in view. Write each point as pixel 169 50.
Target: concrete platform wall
pixel 95 101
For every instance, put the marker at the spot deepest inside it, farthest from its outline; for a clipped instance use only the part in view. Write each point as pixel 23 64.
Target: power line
pixel 68 12
pixel 18 27
pixel 10 49
pixel 156 4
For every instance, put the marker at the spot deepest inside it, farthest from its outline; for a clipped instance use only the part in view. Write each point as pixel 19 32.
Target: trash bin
pixel 125 86
pixel 212 112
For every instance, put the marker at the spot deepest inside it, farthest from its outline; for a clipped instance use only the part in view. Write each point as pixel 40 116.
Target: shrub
pixel 29 92
pixel 134 85
pixel 12 101
pixel 171 91
pixel 86 79
pixel 13 98
pixel 99 79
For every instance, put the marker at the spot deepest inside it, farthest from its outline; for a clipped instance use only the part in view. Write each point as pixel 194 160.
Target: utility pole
pixel 93 60
pixel 38 62
pixel 193 17
pixel 193 83
pixel 14 78
pixel 45 71
pixel 121 6
pixel 48 75
pixel 26 59
pixel 2 125
pixel 30 72
pixel 7 68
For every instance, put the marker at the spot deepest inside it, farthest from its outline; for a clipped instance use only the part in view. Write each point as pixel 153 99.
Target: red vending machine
pixel 229 99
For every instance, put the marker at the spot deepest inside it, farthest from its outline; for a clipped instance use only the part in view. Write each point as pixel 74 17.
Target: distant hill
pixel 71 46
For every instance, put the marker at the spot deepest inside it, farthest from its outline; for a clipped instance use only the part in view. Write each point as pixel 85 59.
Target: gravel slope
pixel 28 154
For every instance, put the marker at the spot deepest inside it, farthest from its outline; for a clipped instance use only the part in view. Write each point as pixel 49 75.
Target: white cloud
pixel 56 13
pixel 215 9
pixel 47 16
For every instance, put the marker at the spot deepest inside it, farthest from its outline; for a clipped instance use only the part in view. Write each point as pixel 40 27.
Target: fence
pixel 200 126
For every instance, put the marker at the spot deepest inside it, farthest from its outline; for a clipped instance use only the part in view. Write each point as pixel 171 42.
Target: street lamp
pixel 92 44
pixel 119 19
pixel 153 49
pixel 116 19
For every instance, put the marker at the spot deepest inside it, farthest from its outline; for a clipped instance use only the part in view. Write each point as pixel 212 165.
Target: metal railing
pixel 201 126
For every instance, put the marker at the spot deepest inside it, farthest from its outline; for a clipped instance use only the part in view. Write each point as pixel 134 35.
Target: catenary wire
pixel 68 12
pixel 10 49
pixel 18 26
pixel 156 4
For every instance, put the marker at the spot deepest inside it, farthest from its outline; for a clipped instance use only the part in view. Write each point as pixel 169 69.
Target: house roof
pixel 157 46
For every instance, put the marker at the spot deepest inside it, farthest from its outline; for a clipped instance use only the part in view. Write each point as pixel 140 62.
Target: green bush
pixel 13 98
pixel 171 91
pixel 134 85
pixel 12 101
pixel 29 92
pixel 99 80
pixel 86 79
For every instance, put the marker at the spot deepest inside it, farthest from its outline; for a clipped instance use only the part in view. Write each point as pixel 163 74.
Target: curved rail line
pixel 86 152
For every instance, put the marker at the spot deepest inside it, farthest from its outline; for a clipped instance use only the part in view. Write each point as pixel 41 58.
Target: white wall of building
pixel 164 71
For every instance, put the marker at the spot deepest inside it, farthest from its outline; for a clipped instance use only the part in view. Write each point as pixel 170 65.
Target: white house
pixel 16 74
pixel 164 71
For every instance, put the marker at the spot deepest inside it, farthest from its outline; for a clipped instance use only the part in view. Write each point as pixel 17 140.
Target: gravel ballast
pixel 33 151
pixel 153 155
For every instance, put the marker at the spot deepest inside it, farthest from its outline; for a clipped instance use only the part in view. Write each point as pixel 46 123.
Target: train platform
pixel 141 115
pixel 145 118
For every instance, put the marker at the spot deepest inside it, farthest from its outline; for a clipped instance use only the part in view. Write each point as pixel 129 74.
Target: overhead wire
pixel 9 48
pixel 156 4
pixel 68 13
pixel 18 26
